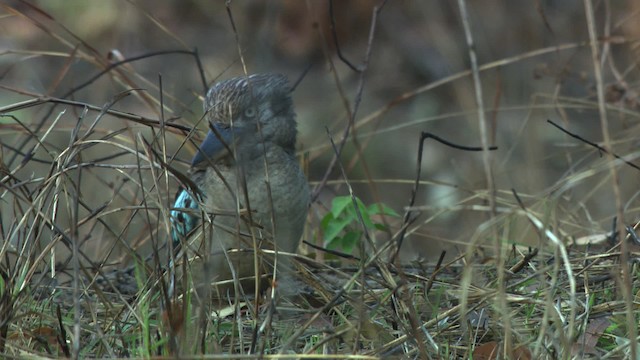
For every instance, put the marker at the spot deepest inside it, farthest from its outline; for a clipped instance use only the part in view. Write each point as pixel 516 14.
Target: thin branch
pixel 136 58
pixel 600 148
pixel 39 100
pixel 486 161
pixel 615 183
pixel 334 35
pixel 356 105
pixel 407 216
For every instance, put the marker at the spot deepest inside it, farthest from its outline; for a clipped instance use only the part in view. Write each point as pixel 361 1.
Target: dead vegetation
pixel 538 242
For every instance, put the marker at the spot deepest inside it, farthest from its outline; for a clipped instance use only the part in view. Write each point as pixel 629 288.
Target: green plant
pixel 341 226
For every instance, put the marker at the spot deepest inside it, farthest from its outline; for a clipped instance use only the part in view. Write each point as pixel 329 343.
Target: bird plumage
pixel 249 181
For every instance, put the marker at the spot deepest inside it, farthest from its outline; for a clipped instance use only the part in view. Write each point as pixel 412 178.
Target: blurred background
pixel 536 65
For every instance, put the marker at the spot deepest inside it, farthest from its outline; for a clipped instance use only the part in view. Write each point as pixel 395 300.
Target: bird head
pixel 255 104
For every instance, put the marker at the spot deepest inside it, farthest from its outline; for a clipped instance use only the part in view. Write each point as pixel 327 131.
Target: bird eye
pixel 250 112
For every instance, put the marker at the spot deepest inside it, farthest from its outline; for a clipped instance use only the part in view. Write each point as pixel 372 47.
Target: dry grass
pixel 531 271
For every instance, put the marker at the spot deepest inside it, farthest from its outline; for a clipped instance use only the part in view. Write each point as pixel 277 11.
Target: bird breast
pixel 287 201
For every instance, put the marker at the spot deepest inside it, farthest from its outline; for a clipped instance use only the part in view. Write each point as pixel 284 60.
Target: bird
pixel 251 193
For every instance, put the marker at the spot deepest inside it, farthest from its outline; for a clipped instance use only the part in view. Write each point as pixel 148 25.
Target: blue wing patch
pixel 182 222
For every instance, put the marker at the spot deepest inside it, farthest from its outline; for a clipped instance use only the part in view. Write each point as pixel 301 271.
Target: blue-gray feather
pixel 247 161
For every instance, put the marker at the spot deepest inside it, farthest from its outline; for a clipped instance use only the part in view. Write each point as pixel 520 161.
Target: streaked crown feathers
pixel 228 98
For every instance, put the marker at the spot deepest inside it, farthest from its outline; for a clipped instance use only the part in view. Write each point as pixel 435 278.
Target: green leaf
pixel 326 220
pixel 381 208
pixel 380 227
pixel 333 244
pixel 341 226
pixel 334 228
pixel 338 204
pixel 363 211
pixel 350 240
